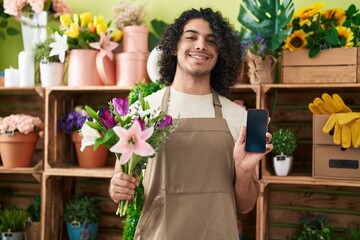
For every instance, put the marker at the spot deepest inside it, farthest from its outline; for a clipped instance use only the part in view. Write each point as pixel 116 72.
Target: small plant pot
pixel 17 149
pixel 89 158
pixel 12 235
pixel 77 231
pixel 282 164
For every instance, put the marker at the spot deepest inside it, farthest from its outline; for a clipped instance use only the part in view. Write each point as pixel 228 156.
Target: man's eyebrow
pixel 196 32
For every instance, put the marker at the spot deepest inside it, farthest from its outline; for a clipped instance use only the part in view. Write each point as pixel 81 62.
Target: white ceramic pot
pixel 51 73
pixel 282 164
pixel 12 236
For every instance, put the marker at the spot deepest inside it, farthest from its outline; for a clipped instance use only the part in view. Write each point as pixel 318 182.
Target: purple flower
pixel 141 122
pixel 73 121
pixel 164 122
pixel 106 118
pixel 121 105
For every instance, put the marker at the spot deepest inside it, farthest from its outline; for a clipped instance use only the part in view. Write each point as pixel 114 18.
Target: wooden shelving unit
pixel 55 165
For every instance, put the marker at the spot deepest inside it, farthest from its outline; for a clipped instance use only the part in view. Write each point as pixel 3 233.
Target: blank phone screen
pixel 256 128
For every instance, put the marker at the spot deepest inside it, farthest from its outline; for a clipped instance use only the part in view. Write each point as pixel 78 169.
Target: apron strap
pixel 216 102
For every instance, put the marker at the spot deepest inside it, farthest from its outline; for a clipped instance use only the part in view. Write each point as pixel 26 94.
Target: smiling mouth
pixel 199 56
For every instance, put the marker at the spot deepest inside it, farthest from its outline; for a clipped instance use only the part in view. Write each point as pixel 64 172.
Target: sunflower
pixel 296 40
pixel 310 11
pixel 344 32
pixel 337 15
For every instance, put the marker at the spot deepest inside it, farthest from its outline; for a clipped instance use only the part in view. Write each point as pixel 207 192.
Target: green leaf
pixel 92 113
pixel 314 51
pixel 3 24
pixel 12 31
pixel 269 18
pixel 331 37
pixel 95 126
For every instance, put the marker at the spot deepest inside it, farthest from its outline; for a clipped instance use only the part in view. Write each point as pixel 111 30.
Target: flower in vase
pixel 316 29
pixel 83 29
pixel 17 8
pixel 59 47
pixel 105 46
pixel 22 123
pixel 128 13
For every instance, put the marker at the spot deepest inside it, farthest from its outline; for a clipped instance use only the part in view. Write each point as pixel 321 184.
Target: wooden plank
pixel 335 56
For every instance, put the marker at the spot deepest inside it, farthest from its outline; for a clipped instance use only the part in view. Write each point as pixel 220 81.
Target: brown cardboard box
pixel 335 162
pixel 319 137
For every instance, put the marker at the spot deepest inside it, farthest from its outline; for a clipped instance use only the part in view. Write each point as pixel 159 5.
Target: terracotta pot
pixel 17 150
pixel 82 70
pixel 136 39
pixel 89 158
pixel 131 68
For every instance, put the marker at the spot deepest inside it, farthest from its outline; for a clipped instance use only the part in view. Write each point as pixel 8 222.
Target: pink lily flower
pixel 132 141
pixel 105 46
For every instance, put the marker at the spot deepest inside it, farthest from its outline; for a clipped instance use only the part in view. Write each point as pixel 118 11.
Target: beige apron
pixel 189 191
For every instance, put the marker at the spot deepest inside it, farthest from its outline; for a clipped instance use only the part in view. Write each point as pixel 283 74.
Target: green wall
pixel 166 10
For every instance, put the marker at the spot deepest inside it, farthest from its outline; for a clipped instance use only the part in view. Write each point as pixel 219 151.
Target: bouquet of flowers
pixel 79 31
pixel 320 30
pixel 134 134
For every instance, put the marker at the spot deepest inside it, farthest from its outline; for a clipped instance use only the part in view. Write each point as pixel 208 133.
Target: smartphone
pixel 256 128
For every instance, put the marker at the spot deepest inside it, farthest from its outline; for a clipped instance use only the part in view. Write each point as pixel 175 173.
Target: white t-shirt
pixel 185 105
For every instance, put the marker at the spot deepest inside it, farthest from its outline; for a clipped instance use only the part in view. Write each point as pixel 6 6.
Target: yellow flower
pixel 85 18
pixel 336 14
pixel 91 27
pixel 296 40
pixel 76 18
pixel 308 12
pixel 65 20
pixel 101 28
pixel 303 22
pixel 344 32
pixel 99 20
pixel 116 35
pixel 73 31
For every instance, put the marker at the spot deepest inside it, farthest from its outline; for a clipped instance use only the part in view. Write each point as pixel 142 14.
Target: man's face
pixel 197 50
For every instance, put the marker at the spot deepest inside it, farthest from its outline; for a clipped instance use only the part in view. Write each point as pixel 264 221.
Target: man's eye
pixel 190 38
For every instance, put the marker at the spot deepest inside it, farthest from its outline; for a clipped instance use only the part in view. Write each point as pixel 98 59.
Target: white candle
pixel 26 69
pixel 11 77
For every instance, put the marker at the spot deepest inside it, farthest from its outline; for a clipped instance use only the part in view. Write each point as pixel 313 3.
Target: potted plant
pixel 51 66
pixel 19 134
pixel 284 144
pixel 12 223
pixel 81 215
pixel 70 124
pixel 32 231
pixel 312 228
pixel 264 28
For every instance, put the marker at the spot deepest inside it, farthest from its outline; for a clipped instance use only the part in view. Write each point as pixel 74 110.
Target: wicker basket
pixel 32 232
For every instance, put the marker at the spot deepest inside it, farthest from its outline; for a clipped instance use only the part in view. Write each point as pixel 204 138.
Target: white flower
pixel 59 47
pixel 89 136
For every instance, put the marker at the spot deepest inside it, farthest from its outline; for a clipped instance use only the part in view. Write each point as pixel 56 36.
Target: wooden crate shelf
pixel 57 191
pixel 60 101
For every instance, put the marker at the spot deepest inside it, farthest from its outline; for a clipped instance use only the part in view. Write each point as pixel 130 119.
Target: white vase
pixel 282 165
pixel 51 73
pixel 152 65
pixel 33 28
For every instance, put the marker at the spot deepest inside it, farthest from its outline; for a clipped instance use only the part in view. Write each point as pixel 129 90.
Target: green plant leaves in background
pixel 159 27
pixel 267 17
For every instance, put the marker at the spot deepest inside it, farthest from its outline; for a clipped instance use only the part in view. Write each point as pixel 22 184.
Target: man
pixel 203 176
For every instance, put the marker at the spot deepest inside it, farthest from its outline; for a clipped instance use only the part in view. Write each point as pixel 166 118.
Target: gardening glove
pixel 355 133
pixel 328 105
pixel 342 123
pixel 318 107
pixel 335 104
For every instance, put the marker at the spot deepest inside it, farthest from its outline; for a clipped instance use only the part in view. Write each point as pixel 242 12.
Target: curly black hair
pixel 227 68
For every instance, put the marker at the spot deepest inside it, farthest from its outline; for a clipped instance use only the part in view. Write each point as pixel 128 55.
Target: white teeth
pixel 199 57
